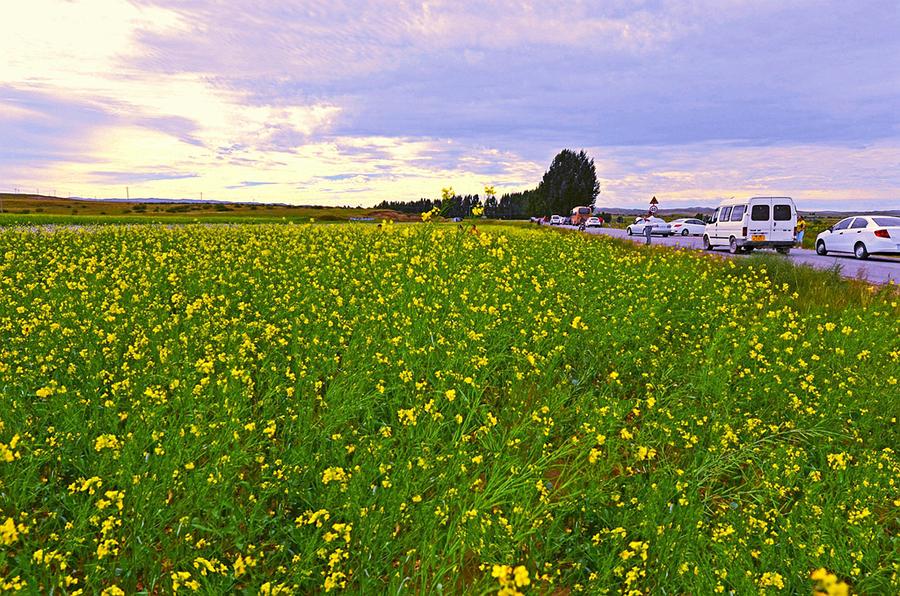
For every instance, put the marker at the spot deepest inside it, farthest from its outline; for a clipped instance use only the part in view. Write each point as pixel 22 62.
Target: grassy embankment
pixel 416 408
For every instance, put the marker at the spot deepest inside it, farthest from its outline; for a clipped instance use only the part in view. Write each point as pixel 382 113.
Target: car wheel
pixel 628 230
pixel 706 243
pixel 860 251
pixel 685 232
pixel 733 246
pixel 820 248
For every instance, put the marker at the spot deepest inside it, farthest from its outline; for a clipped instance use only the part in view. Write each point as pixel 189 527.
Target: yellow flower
pixel 335 474
pixel 521 575
pixel 107 442
pixel 8 532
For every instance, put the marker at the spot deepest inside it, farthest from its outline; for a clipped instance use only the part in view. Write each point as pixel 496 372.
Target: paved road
pixel 877 270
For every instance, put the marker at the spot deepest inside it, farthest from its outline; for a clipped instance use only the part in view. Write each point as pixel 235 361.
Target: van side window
pixel 760 213
pixel 738 213
pixel 859 222
pixel 725 214
pixel 782 212
pixel 843 224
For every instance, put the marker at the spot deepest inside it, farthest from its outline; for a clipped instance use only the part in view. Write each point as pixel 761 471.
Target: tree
pixel 571 181
pixel 490 201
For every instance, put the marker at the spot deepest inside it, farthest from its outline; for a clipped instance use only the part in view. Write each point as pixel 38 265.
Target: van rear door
pixel 759 225
pixel 784 220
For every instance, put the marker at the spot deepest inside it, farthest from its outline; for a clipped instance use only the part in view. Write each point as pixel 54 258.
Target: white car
pixel 862 236
pixel 593 222
pixel 556 220
pixel 657 226
pixel 688 227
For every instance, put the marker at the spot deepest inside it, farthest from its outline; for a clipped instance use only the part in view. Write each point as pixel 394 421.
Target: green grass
pixel 420 409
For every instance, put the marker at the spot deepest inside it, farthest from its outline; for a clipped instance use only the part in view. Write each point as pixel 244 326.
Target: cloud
pixel 248 184
pixel 395 99
pixel 131 177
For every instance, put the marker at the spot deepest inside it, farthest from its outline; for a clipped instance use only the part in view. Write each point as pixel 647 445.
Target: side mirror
pixel 831 229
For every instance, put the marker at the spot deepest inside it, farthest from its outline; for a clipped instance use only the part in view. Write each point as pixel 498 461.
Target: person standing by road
pixel 800 230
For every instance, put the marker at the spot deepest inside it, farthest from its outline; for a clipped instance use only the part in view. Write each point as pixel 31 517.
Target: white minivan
pixel 759 222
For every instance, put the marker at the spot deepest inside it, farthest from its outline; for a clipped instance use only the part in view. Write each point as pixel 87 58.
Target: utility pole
pixel 127 194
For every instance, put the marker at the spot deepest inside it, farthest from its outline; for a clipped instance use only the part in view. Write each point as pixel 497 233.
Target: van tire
pixel 706 243
pixel 783 251
pixel 820 248
pixel 860 251
pixel 733 247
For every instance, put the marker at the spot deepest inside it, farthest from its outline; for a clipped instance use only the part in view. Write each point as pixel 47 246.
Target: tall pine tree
pixel 571 181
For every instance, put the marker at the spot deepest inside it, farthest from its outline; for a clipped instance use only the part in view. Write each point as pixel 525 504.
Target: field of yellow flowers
pixel 282 409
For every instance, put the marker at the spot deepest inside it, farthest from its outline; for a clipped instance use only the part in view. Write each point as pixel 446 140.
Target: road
pixel 876 270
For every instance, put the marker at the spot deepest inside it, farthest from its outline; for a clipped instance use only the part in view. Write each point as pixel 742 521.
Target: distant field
pixel 422 409
pixel 35 210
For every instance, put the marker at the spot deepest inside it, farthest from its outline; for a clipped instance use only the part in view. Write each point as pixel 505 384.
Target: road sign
pixel 653 209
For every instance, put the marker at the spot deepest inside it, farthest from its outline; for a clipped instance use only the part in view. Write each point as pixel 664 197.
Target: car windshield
pixel 887 221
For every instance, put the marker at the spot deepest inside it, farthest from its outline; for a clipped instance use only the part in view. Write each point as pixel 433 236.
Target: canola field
pixel 420 409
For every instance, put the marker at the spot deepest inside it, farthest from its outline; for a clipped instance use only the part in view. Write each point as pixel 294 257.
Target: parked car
pixel 759 222
pixel 593 222
pixel 556 220
pixel 688 227
pixel 657 225
pixel 862 235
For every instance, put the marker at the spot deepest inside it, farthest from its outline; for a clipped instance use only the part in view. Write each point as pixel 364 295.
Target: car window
pixel 859 222
pixel 695 221
pixel 887 221
pixel 843 224
pixel 738 213
pixel 760 213
pixel 726 213
pixel 782 212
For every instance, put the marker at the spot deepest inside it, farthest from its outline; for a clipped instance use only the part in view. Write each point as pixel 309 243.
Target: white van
pixel 759 222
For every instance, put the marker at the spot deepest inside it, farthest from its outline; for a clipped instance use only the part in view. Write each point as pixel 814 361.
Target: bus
pixel 580 215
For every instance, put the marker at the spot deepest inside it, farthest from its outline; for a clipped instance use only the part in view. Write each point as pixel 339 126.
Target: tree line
pixel 571 181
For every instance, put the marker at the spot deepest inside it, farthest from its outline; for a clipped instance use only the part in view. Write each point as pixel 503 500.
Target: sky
pixel 345 102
